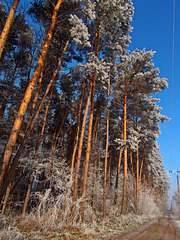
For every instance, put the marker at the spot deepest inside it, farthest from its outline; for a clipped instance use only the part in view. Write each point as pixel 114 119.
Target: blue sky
pixel 153 29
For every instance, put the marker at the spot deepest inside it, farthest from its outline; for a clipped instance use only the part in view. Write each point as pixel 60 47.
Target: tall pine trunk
pixel 109 170
pixel 77 166
pixel 124 200
pixel 90 97
pixel 94 134
pixel 6 198
pixel 7 25
pixel 77 130
pixel 88 149
pixel 118 167
pixel 34 103
pixel 150 183
pixel 106 152
pixel 133 174
pixel 137 179
pixel 54 142
pixel 27 96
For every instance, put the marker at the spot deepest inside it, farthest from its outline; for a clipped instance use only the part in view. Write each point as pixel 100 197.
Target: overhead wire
pixel 172 77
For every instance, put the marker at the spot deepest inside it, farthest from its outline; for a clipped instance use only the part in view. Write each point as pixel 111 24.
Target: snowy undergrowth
pixel 29 227
pixel 147 204
pixel 56 215
pixel 58 218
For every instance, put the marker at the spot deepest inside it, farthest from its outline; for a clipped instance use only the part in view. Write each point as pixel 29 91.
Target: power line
pixel 172 77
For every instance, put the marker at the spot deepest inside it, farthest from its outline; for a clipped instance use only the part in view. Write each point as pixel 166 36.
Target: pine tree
pixel 137 78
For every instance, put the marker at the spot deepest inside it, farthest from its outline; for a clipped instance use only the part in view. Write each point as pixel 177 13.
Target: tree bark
pixel 27 96
pixel 109 170
pixel 118 167
pixel 143 168
pixel 117 178
pixel 60 128
pixel 95 123
pixel 137 179
pixel 31 179
pixel 7 25
pixel 34 104
pixel 77 131
pixel 88 149
pixel 106 151
pixel 62 138
pixel 75 194
pixel 6 198
pixel 124 200
pixel 133 174
pixel 150 183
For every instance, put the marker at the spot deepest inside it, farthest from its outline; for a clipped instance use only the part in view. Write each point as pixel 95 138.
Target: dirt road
pixel 163 229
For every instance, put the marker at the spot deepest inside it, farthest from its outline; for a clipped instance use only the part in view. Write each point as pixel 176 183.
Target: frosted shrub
pixel 118 192
pixel 89 214
pixel 147 205
pixel 8 230
pixel 131 202
pixel 3 221
pixel 57 211
pixel 11 233
pixel 114 210
pixel 55 207
pixel 94 195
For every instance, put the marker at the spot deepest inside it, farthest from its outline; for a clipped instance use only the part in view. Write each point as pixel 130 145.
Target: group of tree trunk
pixel 78 97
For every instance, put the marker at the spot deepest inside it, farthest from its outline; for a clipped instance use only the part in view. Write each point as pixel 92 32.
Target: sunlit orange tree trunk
pixel 77 130
pixel 7 25
pixel 118 167
pixel 137 179
pixel 133 173
pixel 106 151
pixel 78 161
pixel 89 136
pixel 77 167
pixel 88 149
pixel 124 200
